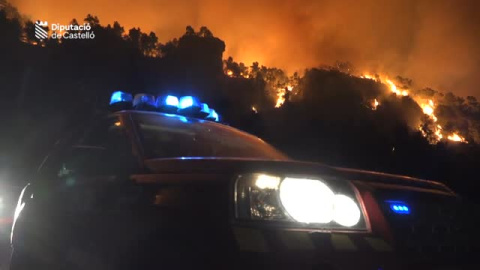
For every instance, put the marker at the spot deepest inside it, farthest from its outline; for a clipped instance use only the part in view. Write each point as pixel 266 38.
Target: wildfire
pixel 395 90
pixel 366 76
pixel 389 82
pixel 438 132
pixel 280 98
pixel 429 109
pixel 375 104
pixel 456 138
pixel 281 88
pixel 281 92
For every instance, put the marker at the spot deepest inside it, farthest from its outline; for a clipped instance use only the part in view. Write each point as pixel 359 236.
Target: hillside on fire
pixel 332 113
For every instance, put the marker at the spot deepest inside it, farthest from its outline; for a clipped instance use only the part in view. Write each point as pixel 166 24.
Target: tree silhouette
pixel 92 20
pixel 118 29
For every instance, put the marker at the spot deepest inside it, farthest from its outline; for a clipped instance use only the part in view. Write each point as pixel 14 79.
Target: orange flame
pixel 429 109
pixel 281 95
pixel 280 98
pixel 366 76
pixel 395 90
pixel 389 82
pixel 456 138
pixel 375 104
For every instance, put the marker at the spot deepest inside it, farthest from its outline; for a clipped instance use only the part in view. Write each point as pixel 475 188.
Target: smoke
pixel 436 43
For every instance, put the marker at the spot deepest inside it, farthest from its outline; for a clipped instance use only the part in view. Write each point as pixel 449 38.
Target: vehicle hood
pixel 234 165
pixel 193 165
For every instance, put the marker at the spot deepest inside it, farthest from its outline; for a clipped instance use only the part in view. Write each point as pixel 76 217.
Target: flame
pixel 389 82
pixel 281 88
pixel 395 90
pixel 375 104
pixel 367 76
pixel 456 138
pixel 429 109
pixel 281 95
pixel 438 133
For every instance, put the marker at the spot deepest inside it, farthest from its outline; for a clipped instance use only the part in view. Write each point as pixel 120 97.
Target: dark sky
pixel 435 42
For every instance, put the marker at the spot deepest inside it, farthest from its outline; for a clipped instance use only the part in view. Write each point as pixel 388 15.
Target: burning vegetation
pixel 282 87
pixel 427 106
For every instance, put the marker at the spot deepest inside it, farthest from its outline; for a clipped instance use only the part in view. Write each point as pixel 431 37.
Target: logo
pixel 41 33
pixel 63 31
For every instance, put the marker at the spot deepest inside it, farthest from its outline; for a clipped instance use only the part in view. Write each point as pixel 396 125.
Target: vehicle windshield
pixel 172 136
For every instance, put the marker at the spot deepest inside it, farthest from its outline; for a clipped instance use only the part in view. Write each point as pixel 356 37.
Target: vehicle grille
pixel 437 228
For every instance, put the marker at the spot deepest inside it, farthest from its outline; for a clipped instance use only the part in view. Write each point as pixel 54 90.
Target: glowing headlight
pixel 306 200
pixel 264 181
pixel 299 202
pixel 346 211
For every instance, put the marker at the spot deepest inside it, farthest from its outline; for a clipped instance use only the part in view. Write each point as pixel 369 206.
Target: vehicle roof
pixel 181 118
pixel 178 117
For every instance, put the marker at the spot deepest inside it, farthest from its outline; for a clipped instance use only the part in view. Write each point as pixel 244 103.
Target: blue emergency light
pixel 168 104
pixel 144 102
pixel 171 101
pixel 399 207
pixel 186 105
pixel 204 110
pixel 119 96
pixel 213 116
pixel 188 102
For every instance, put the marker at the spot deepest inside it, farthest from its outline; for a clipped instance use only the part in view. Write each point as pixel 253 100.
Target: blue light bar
pixel 204 111
pixel 188 102
pixel 168 104
pixel 399 207
pixel 171 101
pixel 213 116
pixel 204 108
pixel 119 96
pixel 144 101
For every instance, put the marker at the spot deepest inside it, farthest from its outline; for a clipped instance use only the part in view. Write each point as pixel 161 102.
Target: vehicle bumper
pixel 319 250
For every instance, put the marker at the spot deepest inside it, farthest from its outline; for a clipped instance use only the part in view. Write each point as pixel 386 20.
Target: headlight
pixel 319 203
